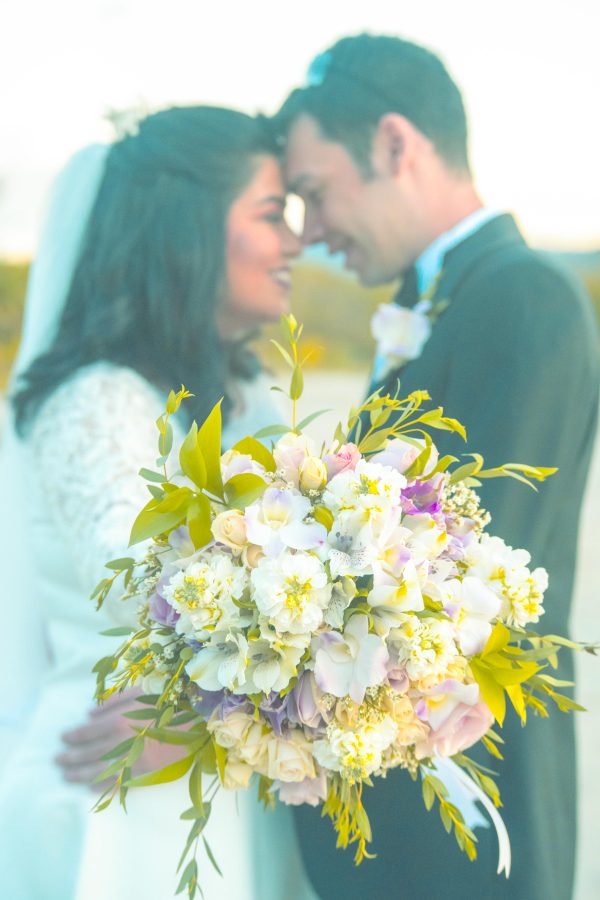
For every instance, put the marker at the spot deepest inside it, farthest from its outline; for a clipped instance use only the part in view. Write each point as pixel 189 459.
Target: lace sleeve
pixel 88 443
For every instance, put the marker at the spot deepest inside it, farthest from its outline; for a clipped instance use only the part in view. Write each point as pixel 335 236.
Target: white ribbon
pixel 465 798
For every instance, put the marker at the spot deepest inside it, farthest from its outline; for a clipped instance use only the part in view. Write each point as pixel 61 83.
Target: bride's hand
pixel 106 727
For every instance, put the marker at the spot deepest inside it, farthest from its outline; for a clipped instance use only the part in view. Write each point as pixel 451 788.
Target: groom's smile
pixel 344 208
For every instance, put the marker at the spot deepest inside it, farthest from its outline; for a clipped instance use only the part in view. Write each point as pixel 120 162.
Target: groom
pixel 376 145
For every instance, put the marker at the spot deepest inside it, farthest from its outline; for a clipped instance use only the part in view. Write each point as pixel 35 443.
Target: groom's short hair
pixel 361 78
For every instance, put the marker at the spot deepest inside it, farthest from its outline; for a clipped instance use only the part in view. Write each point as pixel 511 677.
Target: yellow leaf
pixel 491 691
pixel 191 460
pixel 497 640
pixel 515 692
pixel 257 451
pixel 198 521
pixel 209 442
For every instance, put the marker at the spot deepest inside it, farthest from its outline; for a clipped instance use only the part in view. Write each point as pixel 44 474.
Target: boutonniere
pixel 401 333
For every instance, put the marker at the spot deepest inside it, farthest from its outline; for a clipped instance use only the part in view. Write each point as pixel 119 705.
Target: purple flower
pixel 423 497
pixel 160 609
pixel 275 710
pixel 207 701
pixel 303 707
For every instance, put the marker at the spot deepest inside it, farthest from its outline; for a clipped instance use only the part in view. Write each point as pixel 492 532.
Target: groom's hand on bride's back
pixel 104 728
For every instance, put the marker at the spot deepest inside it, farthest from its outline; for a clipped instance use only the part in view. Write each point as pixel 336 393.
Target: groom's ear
pixel 395 144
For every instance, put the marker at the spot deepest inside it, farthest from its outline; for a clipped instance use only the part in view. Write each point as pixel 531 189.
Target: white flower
pixel 365 502
pixel 357 753
pixel 506 572
pixel 350 663
pixel 271 666
pixel 203 595
pixel 424 646
pixel 428 538
pixel 292 591
pixel 342 594
pixel 472 606
pixel 290 758
pixel 235 463
pixel 221 663
pixel 368 479
pixel 400 333
pixel 392 596
pixel 276 521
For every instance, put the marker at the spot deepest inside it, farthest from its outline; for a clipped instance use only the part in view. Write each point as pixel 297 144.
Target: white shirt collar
pixel 429 264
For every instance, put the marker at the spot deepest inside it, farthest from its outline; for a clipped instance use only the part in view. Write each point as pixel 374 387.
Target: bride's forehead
pixel 265 182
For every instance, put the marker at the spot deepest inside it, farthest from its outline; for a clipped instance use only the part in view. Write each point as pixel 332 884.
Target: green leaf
pixel 120 750
pixel 251 447
pixel 446 819
pixel 198 521
pixel 141 714
pixel 190 873
pixel 165 440
pixel 272 431
pixel 244 489
pixel 149 475
pixel 221 758
pixel 117 565
pixel 209 853
pixel 159 516
pixel 101 587
pixel 209 442
pixel 172 772
pixel 121 631
pixel 428 794
pixel 296 384
pixel 284 353
pixel 311 418
pixel 191 459
pixel 362 820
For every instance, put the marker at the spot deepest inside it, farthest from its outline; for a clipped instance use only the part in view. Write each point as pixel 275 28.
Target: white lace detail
pixel 88 442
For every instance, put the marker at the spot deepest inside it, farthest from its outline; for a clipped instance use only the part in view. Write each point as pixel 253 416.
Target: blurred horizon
pixel 529 74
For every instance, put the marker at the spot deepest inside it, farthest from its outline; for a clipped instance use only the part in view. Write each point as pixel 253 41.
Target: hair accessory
pixel 318 69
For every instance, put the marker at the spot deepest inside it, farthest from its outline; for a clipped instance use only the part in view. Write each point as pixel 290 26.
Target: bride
pixel 161 251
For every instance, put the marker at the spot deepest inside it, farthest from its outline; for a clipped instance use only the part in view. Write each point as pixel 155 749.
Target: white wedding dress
pixel 86 446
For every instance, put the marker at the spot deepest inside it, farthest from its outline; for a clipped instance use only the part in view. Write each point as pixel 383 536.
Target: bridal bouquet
pixel 312 617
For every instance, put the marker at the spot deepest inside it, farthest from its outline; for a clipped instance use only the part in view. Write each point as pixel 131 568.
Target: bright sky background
pixel 529 70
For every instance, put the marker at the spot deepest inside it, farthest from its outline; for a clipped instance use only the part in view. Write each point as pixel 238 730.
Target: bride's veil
pixel 23 653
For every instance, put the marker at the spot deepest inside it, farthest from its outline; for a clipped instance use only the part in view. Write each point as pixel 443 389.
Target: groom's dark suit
pixel 514 358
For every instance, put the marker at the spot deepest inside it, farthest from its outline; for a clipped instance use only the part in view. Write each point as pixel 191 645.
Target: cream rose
pixel 230 731
pixel 229 528
pixel 290 759
pixel 410 728
pixel 254 748
pixel 237 775
pixel 252 555
pixel 313 474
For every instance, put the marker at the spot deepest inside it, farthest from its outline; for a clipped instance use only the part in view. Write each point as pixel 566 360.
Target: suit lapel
pixel 461 261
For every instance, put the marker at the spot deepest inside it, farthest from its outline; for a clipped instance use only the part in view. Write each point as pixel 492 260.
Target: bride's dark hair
pixel 146 286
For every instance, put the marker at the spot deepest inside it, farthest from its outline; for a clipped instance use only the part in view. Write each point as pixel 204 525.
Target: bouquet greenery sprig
pixel 309 618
